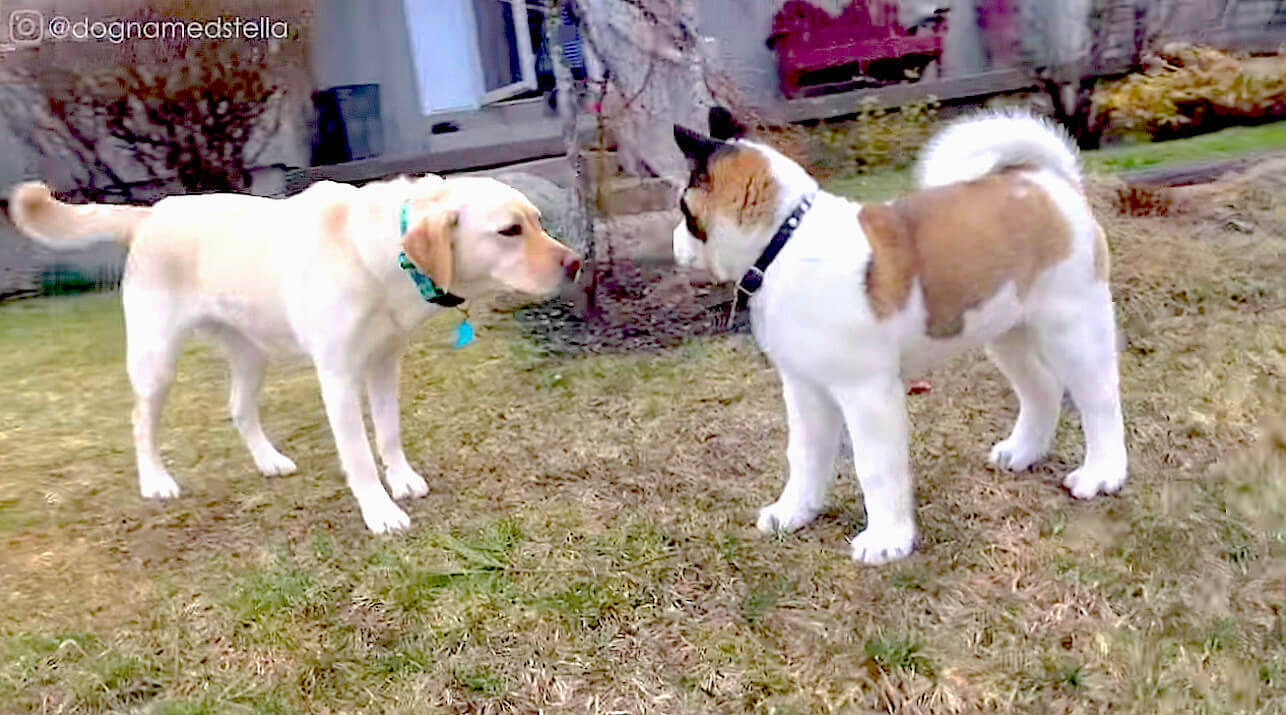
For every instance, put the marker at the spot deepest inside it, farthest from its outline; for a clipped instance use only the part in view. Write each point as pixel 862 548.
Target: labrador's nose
pixel 571 266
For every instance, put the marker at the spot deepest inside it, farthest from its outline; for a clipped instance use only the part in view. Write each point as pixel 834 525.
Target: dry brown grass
pixel 1135 200
pixel 588 543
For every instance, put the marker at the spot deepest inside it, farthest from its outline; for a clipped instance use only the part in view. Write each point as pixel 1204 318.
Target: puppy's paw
pixel 783 516
pixel 274 464
pixel 876 546
pixel 382 516
pixel 1016 454
pixel 158 485
pixel 1088 482
pixel 404 482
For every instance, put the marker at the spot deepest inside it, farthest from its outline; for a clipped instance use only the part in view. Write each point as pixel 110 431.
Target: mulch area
pixel 634 308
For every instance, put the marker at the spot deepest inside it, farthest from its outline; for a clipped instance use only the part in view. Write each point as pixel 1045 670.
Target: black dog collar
pixel 754 278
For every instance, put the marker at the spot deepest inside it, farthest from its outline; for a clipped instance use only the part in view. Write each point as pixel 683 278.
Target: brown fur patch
pixel 1102 256
pixel 334 216
pixel 964 242
pixel 738 184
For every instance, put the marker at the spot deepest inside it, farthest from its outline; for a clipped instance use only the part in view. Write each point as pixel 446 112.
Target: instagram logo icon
pixel 26 27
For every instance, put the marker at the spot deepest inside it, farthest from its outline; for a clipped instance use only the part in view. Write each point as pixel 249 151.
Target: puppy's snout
pixel 571 266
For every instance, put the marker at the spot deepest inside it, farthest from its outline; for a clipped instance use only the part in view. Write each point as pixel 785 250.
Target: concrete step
pixel 627 196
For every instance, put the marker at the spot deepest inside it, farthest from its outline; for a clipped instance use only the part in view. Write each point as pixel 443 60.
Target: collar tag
pixel 463 333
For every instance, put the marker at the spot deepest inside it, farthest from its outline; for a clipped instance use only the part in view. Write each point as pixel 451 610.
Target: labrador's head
pixel 475 235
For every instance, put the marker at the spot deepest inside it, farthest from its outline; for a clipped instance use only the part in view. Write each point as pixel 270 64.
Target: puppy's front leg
pixel 814 422
pixel 344 411
pixel 381 389
pixel 875 410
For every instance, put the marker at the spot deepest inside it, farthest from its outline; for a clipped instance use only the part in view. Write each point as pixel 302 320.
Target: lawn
pixel 588 541
pixel 1226 144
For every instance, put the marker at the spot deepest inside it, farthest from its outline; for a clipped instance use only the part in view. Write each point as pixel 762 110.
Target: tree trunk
pixel 580 224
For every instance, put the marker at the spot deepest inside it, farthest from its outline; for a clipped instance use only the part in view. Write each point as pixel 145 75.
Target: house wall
pixel 740 29
pixel 1047 32
pixel 367 43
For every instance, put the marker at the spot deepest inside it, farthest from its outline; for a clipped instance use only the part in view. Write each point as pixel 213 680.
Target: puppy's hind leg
pixel 814 423
pixel 1039 400
pixel 1080 349
pixel 246 362
pixel 153 338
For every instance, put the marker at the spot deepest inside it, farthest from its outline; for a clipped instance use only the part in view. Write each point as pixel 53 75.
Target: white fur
pixel 984 142
pixel 841 367
pixel 314 275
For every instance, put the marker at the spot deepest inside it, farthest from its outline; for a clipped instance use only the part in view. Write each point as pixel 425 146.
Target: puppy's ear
pixel 695 146
pixel 428 245
pixel 724 126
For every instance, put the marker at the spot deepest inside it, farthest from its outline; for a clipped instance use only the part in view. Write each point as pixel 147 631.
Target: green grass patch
pixel 1225 144
pixel 874 186
pixel 284 590
pixel 483 682
pixel 78 666
pixel 893 653
pixel 763 596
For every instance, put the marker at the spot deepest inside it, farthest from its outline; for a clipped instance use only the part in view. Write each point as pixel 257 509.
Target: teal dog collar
pixel 428 289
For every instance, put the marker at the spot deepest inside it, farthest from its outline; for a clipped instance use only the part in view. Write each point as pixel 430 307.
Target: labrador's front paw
pixel 274 464
pixel 404 482
pixel 382 516
pixel 157 485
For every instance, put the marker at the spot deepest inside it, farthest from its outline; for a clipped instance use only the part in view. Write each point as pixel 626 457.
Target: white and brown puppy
pixel 998 249
pixel 316 275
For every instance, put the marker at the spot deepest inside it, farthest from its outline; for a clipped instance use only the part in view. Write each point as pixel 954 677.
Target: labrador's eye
pixel 513 230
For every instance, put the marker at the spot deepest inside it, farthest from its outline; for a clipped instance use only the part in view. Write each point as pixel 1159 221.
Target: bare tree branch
pixel 201 111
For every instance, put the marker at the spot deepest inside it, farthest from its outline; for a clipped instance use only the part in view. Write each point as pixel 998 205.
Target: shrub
pixel 1188 89
pixel 878 137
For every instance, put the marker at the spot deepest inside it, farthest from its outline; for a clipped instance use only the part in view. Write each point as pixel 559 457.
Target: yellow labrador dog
pixel 999 249
pixel 339 274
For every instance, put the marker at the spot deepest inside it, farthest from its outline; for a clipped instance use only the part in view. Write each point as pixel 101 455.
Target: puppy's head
pixel 738 192
pixel 475 235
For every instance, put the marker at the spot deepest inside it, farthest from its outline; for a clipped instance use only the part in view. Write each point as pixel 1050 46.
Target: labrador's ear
pixel 695 146
pixel 428 244
pixel 724 126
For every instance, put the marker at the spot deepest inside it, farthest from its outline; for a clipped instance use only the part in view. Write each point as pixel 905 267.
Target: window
pixel 505 48
pixel 474 52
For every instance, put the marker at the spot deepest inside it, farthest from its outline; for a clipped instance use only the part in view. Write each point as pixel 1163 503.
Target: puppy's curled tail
pixel 38 214
pixel 991 141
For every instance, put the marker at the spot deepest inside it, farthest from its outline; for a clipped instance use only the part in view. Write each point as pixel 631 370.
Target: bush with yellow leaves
pixel 878 137
pixel 1191 89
